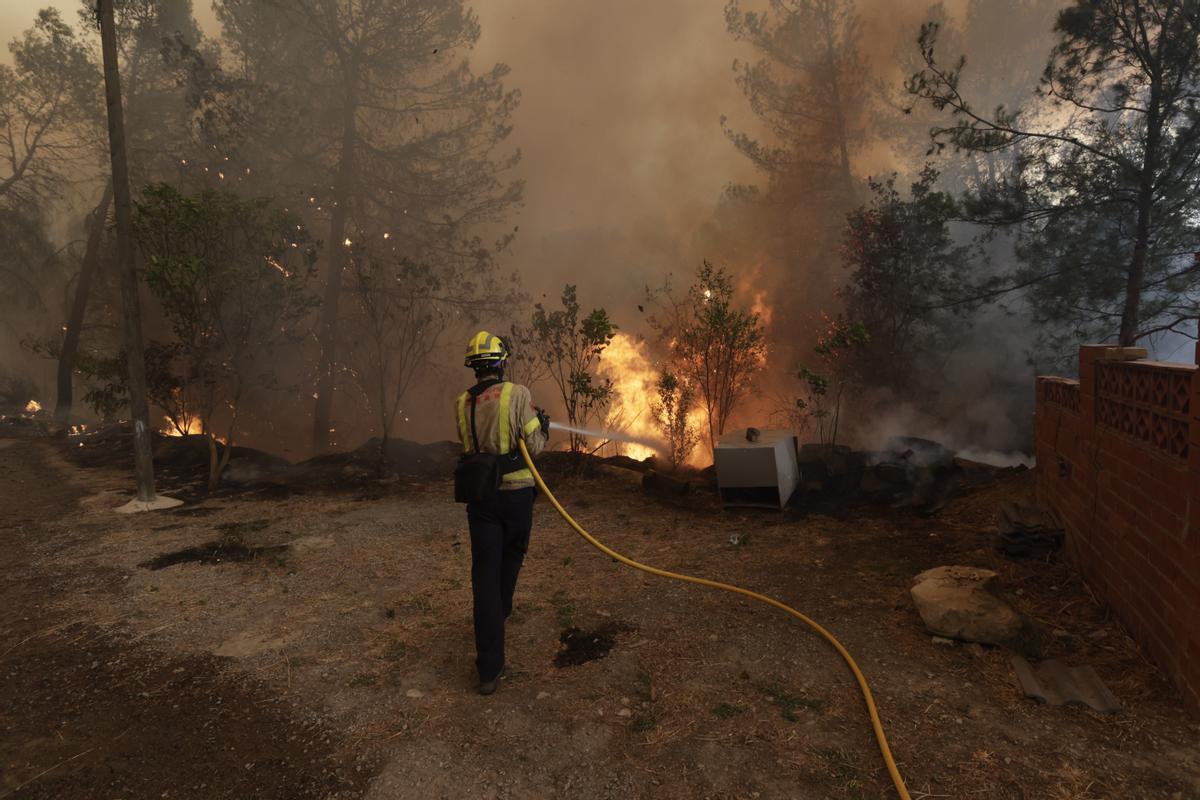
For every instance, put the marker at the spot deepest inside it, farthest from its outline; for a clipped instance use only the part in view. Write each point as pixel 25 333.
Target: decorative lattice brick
pixel 1150 403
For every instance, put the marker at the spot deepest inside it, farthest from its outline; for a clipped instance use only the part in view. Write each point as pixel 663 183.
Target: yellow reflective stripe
pixel 519 475
pixel 505 435
pixel 464 427
pixel 532 426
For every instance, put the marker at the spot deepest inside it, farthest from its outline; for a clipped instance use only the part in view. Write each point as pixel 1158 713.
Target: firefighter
pixel 491 415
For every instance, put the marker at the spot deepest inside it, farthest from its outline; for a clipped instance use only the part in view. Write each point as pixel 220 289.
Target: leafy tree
pixel 398 323
pixel 148 36
pixel 73 330
pixel 571 347
pixel 401 312
pixel 108 382
pixel 826 381
pixel 397 134
pixel 715 346
pixel 809 87
pixel 1104 189
pixel 229 275
pixel 903 262
pixel 524 364
pixel 1007 42
pixel 161 120
pixel 676 399
pixel 30 259
pixel 50 103
pixel 52 85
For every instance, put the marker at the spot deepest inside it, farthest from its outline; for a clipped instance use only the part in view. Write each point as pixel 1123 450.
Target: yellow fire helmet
pixel 485 349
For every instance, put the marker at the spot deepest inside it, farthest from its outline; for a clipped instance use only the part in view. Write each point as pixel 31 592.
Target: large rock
pixel 955 601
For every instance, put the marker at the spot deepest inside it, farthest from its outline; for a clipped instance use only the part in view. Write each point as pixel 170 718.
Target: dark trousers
pixel 499 538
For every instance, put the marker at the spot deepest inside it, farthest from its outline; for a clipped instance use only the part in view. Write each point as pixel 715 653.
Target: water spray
pixel 612 436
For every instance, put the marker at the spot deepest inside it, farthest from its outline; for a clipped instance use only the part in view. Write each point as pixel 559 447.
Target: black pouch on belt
pixel 477 476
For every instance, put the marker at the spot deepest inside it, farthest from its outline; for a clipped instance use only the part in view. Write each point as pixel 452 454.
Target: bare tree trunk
pixel 213 459
pixel 70 345
pixel 1130 313
pixel 1134 279
pixel 384 421
pixel 139 411
pixel 326 377
pixel 839 113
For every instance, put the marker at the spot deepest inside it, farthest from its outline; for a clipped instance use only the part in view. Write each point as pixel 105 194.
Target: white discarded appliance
pixel 756 467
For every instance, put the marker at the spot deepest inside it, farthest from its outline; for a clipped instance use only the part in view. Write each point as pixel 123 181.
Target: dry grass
pixel 724 698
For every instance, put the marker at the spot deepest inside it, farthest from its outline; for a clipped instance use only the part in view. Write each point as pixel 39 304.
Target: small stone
pixel 624 712
pixel 414 693
pixel 942 640
pixel 543 695
pixel 975 649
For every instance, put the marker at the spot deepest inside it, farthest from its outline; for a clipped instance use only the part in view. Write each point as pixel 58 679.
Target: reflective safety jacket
pixel 503 411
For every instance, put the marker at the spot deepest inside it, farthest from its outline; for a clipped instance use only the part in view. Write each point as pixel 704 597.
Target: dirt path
pixel 361 628
pixel 88 709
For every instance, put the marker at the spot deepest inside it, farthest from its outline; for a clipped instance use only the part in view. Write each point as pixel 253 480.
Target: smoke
pixel 619 127
pixel 1173 346
pixel 625 163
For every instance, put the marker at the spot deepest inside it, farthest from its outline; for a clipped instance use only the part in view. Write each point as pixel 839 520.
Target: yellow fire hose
pixel 880 737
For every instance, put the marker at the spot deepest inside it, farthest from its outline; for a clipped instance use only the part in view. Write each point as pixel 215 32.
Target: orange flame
pixel 32 407
pixel 760 307
pixel 627 364
pixel 185 427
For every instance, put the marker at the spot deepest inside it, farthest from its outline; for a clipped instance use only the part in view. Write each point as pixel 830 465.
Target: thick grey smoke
pixel 625 160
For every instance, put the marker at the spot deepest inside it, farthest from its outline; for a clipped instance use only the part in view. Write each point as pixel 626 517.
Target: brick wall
pixel 1118 456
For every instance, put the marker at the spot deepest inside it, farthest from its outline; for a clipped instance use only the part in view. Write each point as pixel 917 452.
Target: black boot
pixel 489 687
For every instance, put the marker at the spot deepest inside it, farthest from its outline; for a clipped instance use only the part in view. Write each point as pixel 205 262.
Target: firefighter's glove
pixel 544 419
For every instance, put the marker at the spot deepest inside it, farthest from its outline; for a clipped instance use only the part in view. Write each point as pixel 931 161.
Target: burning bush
pixel 676 399
pixel 715 346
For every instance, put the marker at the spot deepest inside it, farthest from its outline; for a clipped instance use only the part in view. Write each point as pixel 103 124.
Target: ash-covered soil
pixel 344 663
pixel 91 707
